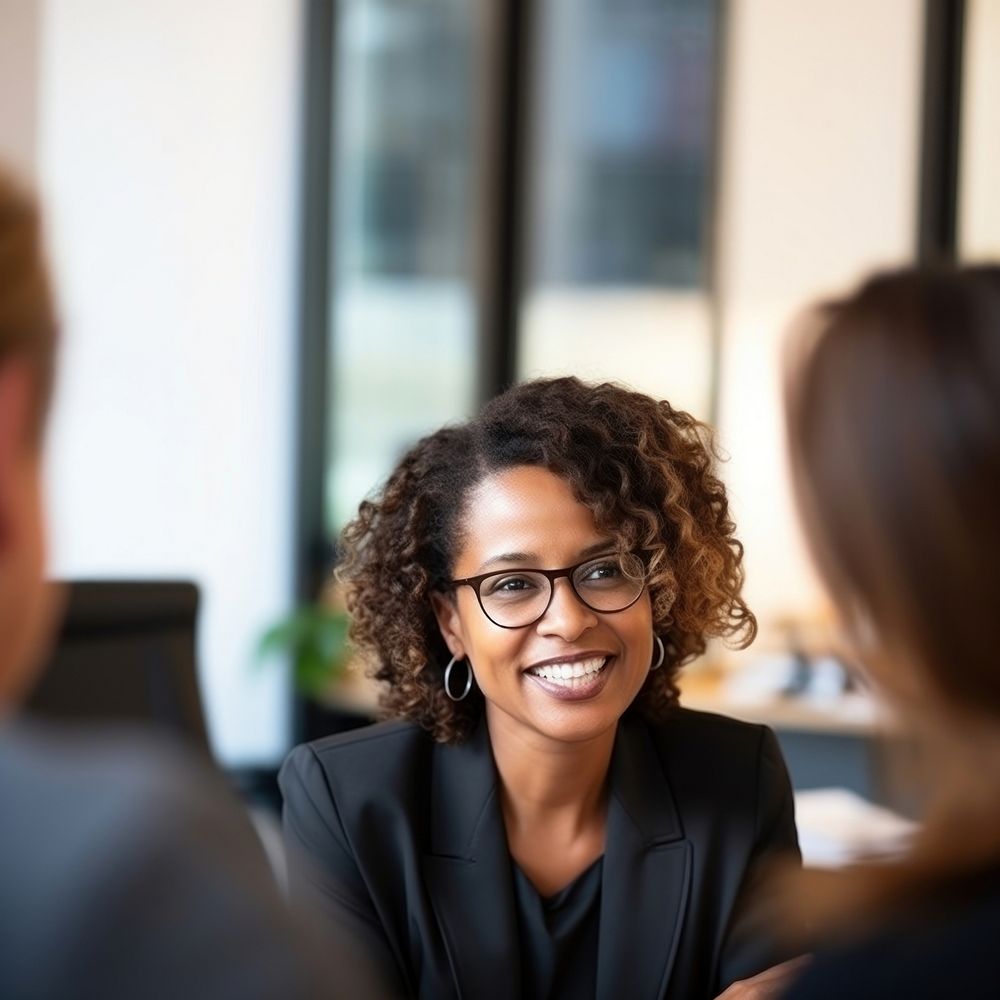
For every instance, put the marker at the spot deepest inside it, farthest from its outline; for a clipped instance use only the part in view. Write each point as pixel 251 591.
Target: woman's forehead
pixel 527 514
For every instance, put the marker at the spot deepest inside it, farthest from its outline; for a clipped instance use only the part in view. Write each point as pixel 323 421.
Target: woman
pixel 545 821
pixel 894 426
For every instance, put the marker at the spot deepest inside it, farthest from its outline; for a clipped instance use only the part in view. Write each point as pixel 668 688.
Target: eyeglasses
pixel 516 598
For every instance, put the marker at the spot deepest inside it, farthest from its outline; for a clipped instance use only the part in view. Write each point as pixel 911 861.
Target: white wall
pixel 168 160
pixel 19 44
pixel 819 184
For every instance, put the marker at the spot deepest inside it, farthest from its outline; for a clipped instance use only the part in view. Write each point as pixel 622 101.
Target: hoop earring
pixel 662 656
pixel 447 680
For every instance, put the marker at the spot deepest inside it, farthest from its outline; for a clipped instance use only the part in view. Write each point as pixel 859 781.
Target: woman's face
pixel 527 517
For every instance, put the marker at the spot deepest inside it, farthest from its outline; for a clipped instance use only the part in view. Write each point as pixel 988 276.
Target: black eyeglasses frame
pixel 475 582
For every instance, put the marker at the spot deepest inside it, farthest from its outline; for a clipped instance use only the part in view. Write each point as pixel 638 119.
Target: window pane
pixel 619 190
pixel 402 323
pixel 979 194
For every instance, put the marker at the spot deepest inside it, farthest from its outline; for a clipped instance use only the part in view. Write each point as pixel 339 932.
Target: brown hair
pixel 643 468
pixel 27 314
pixel 893 407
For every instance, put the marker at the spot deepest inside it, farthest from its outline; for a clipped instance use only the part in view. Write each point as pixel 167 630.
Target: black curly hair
pixel 644 469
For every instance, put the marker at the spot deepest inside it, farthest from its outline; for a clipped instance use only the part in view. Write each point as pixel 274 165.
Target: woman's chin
pixel 569 721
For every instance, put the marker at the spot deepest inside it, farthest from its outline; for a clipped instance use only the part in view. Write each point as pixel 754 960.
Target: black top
pixel 558 936
pixel 402 841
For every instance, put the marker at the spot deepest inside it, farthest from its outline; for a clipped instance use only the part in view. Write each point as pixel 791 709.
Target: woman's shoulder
pixel 378 738
pixel 370 751
pixel 728 782
pixel 742 758
pixel 708 731
pixel 353 811
pixel 387 756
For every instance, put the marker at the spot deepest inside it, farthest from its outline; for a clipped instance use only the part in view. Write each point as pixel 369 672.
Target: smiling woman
pixel 545 820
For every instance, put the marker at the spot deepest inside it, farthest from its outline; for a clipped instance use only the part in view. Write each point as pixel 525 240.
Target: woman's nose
pixel 567 616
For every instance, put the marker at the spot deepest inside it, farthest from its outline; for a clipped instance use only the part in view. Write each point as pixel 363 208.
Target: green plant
pixel 314 638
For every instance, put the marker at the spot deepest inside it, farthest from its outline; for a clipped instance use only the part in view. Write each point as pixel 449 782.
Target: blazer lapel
pixel 467 872
pixel 647 873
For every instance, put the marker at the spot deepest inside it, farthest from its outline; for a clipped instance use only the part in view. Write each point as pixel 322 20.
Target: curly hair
pixel 644 469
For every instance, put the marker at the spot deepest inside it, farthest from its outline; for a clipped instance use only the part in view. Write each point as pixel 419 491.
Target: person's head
pixel 552 473
pixel 893 407
pixel 27 346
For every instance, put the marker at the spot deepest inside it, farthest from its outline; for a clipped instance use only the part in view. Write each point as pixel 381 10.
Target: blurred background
pixel 291 237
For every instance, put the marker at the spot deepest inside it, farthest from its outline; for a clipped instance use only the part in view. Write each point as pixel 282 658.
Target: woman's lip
pixel 579 693
pixel 590 654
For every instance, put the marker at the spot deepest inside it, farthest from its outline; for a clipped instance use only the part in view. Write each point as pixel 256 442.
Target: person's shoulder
pixel 104 821
pixel 742 757
pixel 84 811
pixel 937 949
pixel 115 793
pixel 709 731
pixel 382 740
pixel 393 734
pixel 61 767
pixel 386 755
pixel 728 781
pixel 384 770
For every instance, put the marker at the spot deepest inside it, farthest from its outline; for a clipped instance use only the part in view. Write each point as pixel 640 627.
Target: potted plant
pixel 333 694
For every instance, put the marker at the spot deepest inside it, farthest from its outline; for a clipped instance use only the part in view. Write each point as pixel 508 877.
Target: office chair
pixel 126 653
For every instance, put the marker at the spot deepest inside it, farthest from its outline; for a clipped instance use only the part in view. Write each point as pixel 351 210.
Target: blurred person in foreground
pixel 893 410
pixel 124 871
pixel 541 819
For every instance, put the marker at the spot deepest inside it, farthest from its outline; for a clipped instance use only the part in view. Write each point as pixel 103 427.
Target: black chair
pixel 126 653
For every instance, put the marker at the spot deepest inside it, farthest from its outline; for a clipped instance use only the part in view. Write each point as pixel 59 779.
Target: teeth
pixel 571 674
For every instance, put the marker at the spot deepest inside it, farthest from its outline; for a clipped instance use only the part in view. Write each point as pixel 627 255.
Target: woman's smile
pixel 572 678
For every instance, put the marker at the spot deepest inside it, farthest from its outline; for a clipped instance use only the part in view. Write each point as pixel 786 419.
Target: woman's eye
pixel 510 585
pixel 602 571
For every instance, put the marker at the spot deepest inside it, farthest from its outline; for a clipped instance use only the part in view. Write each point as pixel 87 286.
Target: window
pixel 402 308
pixel 534 173
pixel 979 151
pixel 619 195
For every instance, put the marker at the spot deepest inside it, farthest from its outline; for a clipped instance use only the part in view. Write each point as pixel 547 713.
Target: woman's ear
pixel 446 612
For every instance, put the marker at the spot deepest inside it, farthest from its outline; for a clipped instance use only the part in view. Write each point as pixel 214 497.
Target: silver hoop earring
pixel 447 680
pixel 662 656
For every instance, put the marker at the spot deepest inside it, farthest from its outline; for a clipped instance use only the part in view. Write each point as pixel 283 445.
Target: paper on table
pixel 837 827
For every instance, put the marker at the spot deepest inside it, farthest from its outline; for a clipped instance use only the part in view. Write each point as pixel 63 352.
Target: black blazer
pixel 401 840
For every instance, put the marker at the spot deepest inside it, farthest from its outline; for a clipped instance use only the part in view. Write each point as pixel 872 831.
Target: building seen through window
pixel 614 200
